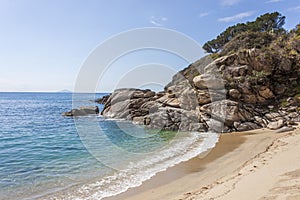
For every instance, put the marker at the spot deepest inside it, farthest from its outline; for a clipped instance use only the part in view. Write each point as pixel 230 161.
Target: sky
pixel 44 43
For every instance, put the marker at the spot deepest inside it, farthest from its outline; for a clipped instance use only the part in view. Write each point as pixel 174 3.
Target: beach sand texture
pixel 258 164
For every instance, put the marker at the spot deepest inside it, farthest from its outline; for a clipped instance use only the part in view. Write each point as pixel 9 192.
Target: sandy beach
pixel 258 164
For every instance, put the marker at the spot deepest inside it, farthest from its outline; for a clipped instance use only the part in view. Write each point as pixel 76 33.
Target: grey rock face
pixel 242 91
pixel 82 111
pixel 276 125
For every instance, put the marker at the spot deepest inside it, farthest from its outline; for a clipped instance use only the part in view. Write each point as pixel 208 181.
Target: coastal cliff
pixel 257 85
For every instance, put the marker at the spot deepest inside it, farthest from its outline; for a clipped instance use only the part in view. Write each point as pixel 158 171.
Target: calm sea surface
pixel 42 152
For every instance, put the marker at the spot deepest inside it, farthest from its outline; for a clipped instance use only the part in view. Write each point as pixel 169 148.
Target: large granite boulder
pixel 127 103
pixel 208 81
pixel 276 125
pixel 227 112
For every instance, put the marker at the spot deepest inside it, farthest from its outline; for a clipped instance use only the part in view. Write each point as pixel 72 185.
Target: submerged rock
pixel 82 111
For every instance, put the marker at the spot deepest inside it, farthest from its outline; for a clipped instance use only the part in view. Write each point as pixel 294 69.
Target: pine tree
pixel 269 22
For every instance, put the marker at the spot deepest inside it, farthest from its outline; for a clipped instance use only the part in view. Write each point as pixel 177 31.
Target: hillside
pixel 253 82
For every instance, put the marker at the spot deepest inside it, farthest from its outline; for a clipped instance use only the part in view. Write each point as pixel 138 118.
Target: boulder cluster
pixel 246 90
pixel 237 89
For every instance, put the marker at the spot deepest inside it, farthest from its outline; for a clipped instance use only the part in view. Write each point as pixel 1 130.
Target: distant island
pixel 64 91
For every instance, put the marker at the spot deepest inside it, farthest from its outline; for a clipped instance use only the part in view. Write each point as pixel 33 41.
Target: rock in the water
pixel 103 99
pixel 86 110
pixel 129 103
pixel 276 125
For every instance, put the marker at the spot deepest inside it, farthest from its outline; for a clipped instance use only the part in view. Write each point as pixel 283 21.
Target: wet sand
pixel 247 165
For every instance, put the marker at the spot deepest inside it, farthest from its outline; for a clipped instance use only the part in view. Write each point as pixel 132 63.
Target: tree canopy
pixel 269 22
pixel 298 29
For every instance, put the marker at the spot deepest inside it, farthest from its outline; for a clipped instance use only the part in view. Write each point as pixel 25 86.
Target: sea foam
pixel 179 150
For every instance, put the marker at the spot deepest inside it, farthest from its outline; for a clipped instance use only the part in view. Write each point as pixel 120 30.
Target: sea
pixel 44 155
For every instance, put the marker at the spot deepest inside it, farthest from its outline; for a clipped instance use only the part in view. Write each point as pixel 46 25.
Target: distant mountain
pixel 65 91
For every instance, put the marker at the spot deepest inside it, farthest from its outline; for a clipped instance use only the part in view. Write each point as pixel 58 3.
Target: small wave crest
pixel 180 149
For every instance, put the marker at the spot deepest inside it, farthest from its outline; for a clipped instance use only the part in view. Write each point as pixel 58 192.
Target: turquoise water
pixel 41 152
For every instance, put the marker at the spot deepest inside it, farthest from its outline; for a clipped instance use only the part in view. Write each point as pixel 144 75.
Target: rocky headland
pixel 258 87
pixel 258 93
pixel 250 80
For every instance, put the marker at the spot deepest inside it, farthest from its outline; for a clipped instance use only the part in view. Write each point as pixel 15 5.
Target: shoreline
pixel 209 174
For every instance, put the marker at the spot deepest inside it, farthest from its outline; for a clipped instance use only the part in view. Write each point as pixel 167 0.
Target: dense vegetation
pixel 277 51
pixel 269 24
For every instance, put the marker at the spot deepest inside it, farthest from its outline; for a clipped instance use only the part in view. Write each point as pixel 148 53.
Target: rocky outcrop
pixel 82 111
pixel 103 99
pixel 235 91
pixel 241 91
pixel 128 103
pixel 162 110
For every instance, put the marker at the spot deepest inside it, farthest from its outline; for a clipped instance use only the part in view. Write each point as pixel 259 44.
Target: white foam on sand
pixel 181 149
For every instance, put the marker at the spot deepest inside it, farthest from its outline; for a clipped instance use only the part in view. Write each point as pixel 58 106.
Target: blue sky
pixel 43 43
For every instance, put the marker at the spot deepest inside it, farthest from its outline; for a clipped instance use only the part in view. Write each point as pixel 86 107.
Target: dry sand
pixel 259 164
